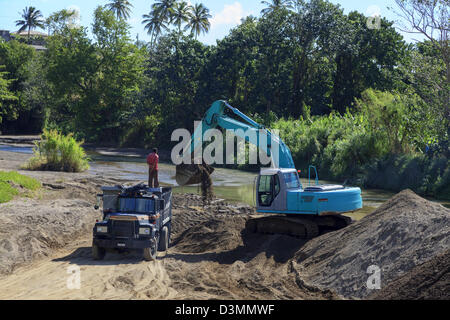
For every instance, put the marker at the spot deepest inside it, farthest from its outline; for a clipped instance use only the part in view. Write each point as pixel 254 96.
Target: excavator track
pixel 299 227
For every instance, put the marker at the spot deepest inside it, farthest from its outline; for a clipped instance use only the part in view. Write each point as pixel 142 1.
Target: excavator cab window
pixel 268 189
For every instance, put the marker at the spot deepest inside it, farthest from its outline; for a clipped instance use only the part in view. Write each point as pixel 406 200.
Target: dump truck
pixel 284 204
pixel 134 219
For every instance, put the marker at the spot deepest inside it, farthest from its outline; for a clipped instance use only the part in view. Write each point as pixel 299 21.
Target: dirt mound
pixel 430 281
pixel 31 229
pixel 224 234
pixel 219 258
pixel 401 234
pixel 189 211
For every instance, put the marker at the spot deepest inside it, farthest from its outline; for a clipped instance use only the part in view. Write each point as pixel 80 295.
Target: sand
pixel 428 281
pixel 401 234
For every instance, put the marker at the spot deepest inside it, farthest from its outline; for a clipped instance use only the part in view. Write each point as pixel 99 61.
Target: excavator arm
pixel 215 117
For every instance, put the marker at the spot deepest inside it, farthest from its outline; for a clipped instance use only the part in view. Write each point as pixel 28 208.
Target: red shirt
pixel 152 160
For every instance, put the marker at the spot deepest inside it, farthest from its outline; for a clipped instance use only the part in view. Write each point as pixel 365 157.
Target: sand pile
pixel 430 280
pixel 32 229
pixel 401 234
pixel 189 211
pixel 220 259
pixel 214 234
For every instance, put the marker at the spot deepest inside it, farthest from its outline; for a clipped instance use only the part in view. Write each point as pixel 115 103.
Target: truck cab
pixel 137 218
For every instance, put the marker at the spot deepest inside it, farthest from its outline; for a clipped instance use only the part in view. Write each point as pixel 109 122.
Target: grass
pixel 8 179
pixel 58 152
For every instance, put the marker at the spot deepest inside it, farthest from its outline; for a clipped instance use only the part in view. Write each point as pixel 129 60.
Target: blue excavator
pixel 283 204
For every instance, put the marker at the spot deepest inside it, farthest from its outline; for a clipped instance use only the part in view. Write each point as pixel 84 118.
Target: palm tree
pixel 32 18
pixel 181 14
pixel 276 4
pixel 121 8
pixel 155 23
pixel 199 21
pixel 164 9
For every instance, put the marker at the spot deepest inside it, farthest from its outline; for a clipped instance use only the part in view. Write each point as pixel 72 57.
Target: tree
pixel 6 96
pixel 369 62
pixel 175 78
pixel 16 57
pixel 57 21
pixel 93 80
pixel 276 4
pixel 181 14
pixel 199 20
pixel 121 8
pixel 155 24
pixel 32 19
pixel 429 17
pixel 164 9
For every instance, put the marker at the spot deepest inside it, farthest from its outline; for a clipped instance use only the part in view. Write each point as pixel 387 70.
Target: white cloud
pixel 231 14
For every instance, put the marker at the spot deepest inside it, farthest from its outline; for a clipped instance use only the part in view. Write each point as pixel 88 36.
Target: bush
pixel 7 191
pixel 57 152
pixel 424 175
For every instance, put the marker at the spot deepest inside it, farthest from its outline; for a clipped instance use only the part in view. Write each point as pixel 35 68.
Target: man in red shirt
pixel 152 161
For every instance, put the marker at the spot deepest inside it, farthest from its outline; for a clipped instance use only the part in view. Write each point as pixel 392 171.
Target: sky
pixel 226 14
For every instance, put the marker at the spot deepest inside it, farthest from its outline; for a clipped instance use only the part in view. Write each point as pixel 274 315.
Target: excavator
pixel 283 205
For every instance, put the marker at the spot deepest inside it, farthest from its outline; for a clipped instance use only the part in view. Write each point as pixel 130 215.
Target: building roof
pixel 32 33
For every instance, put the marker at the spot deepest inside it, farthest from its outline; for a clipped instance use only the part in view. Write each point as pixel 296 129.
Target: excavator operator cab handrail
pixel 309 175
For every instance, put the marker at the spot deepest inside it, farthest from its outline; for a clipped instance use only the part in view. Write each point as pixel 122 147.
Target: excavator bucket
pixel 189 174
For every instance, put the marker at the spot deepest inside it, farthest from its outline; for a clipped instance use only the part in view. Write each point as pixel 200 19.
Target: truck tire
pixel 164 239
pixel 98 253
pixel 150 253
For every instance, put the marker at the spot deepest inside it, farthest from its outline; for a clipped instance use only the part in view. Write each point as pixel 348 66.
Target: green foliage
pixel 57 152
pixel 385 124
pixel 104 75
pixel 60 20
pixel 7 191
pixel 121 8
pixel 429 176
pixel 6 96
pixel 20 63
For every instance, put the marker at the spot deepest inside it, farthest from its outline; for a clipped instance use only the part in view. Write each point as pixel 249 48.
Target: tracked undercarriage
pixel 306 227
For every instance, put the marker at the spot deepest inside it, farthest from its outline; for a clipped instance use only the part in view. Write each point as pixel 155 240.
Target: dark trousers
pixel 153 179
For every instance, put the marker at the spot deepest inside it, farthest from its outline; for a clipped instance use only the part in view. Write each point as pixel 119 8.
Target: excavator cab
pixel 268 189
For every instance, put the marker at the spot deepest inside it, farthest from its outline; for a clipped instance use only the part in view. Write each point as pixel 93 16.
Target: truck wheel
pixel 98 253
pixel 164 239
pixel 150 253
